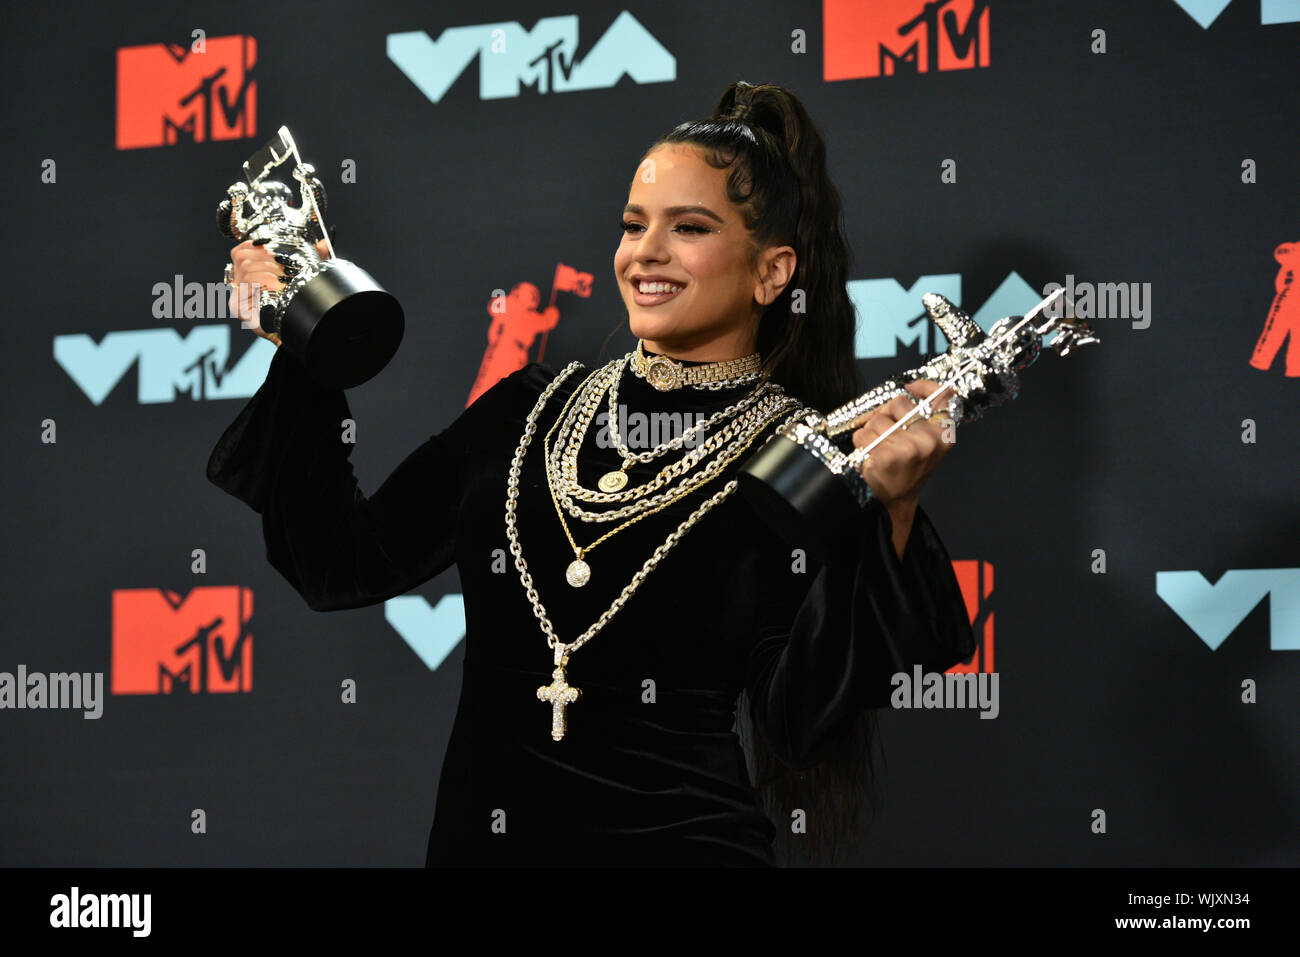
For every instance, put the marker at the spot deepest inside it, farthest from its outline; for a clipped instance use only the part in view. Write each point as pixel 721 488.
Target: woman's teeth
pixel 654 288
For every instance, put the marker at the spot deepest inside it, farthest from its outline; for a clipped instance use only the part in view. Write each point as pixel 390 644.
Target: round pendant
pixel 612 481
pixel 578 573
pixel 663 373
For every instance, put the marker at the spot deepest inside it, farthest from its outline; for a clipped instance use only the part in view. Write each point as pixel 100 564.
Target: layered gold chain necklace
pixel 573 425
pixel 746 425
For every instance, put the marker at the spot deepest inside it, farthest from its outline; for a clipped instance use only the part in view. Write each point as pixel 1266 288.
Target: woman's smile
pixel 656 291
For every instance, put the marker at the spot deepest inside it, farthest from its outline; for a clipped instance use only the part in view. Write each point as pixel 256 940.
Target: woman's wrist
pixel 902 513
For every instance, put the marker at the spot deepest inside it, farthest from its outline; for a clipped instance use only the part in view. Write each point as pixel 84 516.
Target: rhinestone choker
pixel 666 373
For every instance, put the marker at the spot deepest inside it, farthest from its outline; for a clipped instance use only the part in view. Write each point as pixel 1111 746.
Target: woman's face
pixel 679 227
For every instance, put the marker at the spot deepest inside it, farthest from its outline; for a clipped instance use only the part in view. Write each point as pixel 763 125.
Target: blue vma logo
pixel 891 314
pixel 1213 612
pixel 1206 12
pixel 431 631
pixel 544 58
pixel 166 363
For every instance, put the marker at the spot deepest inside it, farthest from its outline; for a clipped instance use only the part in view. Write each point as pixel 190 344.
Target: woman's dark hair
pixel 778 177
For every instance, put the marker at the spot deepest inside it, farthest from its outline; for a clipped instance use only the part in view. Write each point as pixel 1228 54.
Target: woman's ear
pixel 776 267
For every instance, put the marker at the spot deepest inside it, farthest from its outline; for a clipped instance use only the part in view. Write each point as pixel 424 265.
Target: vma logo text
pixel 891 37
pixel 543 59
pixel 891 315
pixel 1213 612
pixel 163 644
pixel 168 94
pixel 1206 12
pixel 166 364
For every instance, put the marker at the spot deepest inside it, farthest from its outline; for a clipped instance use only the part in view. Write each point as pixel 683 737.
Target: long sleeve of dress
pixel 285 456
pixel 867 616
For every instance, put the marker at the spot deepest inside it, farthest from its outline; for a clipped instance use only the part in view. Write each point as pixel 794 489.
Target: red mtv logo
pixel 166 93
pixel 976 581
pixel 888 37
pixel 163 643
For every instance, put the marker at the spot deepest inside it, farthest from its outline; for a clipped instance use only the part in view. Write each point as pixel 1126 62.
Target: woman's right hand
pixel 253 269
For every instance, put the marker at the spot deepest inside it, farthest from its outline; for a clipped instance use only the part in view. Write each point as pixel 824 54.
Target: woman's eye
pixel 686 227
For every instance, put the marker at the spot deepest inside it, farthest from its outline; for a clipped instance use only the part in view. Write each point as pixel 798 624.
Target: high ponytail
pixel 777 175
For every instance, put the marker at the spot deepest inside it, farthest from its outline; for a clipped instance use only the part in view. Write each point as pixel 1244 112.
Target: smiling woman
pixel 621 682
pixel 693 286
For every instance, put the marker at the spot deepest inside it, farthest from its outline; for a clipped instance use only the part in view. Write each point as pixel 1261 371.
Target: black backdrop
pixel 1117 167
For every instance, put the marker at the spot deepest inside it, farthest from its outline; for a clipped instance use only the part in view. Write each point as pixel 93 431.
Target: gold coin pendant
pixel 612 481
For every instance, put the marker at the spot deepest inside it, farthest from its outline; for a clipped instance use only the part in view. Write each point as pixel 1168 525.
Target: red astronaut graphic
pixel 1284 315
pixel 516 322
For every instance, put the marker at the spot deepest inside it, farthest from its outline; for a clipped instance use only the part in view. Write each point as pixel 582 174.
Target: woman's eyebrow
pixel 676 211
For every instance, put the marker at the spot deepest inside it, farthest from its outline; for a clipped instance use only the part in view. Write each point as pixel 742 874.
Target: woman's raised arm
pixel 284 456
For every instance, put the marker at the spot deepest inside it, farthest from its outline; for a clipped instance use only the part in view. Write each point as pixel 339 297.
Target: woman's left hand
pixel 898 467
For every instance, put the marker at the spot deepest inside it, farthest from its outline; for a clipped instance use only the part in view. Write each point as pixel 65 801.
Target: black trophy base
pixel 343 326
pixel 802 500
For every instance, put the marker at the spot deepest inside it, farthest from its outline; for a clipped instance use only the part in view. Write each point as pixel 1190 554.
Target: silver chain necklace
pixel 559 693
pixel 614 481
pixel 562 468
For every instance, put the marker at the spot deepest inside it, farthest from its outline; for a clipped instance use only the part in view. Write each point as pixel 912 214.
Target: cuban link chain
pixel 559 693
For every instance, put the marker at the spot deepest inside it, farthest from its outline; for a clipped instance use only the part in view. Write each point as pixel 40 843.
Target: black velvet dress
pixel 650 771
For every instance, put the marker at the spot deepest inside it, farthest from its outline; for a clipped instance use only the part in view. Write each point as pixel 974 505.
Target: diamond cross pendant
pixel 558 694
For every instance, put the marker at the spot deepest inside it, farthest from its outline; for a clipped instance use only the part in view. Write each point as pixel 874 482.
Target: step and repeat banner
pixel 1127 532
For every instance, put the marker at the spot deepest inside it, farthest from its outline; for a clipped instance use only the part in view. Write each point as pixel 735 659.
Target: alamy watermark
pixel 1103 300
pixel 36 689
pixel 934 690
pixel 76 909
pixel 179 299
pixel 645 430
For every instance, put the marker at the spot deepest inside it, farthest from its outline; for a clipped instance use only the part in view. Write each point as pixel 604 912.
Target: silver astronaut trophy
pixel 332 315
pixel 808 488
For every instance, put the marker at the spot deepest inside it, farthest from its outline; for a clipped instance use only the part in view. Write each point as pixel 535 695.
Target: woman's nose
pixel 651 245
